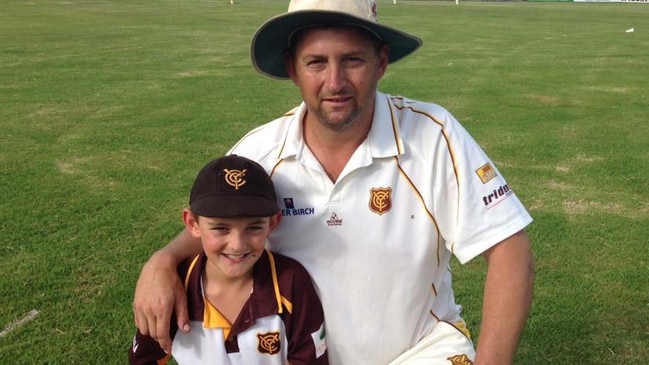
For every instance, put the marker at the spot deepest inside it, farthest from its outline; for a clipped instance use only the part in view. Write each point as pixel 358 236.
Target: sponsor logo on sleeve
pixel 319 341
pixel 497 196
pixel 486 172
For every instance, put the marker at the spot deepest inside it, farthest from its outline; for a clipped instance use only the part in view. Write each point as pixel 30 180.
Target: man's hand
pixel 159 291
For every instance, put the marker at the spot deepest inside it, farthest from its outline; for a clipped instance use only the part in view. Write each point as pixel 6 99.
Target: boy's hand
pixel 157 293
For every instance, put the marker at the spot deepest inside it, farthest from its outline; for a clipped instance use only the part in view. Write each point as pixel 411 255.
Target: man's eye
pixel 354 61
pixel 316 64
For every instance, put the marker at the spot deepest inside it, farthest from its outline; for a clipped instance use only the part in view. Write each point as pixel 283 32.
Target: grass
pixel 108 109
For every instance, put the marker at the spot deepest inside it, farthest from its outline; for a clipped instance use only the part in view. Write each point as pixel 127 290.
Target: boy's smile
pixel 232 245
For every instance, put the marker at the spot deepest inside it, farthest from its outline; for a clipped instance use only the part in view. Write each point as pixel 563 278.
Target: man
pixel 378 192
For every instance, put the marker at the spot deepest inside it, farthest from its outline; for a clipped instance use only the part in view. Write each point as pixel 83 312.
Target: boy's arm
pixel 145 351
pixel 159 290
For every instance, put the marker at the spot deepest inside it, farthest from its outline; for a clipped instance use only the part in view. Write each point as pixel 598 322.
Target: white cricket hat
pixel 271 41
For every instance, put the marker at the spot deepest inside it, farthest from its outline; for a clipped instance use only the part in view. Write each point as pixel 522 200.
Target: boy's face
pixel 232 245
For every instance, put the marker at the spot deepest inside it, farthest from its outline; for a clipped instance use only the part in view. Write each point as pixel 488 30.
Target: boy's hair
pixel 233 186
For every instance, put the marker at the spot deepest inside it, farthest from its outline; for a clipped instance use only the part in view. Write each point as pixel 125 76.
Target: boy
pixel 248 305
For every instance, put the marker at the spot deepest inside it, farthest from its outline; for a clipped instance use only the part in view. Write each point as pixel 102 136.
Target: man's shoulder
pixel 272 130
pixel 265 140
pixel 419 108
pixel 416 119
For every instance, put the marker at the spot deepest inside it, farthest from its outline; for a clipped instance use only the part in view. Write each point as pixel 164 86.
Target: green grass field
pixel 109 107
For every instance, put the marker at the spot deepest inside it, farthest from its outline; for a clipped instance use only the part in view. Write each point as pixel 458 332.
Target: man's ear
pixel 384 59
pixel 191 222
pixel 289 63
pixel 275 219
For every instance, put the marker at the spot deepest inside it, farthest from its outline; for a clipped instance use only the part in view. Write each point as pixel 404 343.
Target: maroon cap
pixel 233 186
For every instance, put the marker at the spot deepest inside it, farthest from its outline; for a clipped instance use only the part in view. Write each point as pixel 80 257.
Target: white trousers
pixel 445 345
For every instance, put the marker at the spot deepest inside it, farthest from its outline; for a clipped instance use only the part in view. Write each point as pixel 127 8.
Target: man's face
pixel 337 71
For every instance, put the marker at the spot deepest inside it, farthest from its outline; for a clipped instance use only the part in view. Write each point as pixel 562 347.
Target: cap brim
pixel 270 42
pixel 234 206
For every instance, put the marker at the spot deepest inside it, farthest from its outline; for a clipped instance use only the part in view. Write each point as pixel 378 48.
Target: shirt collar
pixel 265 299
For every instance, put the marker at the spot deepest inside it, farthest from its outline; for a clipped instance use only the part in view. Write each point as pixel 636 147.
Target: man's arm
pixel 159 290
pixel 507 299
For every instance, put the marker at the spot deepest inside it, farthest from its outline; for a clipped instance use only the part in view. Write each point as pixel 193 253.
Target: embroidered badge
pixel 460 360
pixel 268 343
pixel 486 172
pixel 234 178
pixel 380 200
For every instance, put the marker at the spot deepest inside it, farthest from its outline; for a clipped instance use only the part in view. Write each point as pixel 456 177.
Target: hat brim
pixel 270 42
pixel 234 206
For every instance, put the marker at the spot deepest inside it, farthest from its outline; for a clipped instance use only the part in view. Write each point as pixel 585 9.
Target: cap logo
pixel 234 178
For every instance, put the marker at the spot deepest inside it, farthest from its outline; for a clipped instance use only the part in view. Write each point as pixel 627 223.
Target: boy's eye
pixel 255 228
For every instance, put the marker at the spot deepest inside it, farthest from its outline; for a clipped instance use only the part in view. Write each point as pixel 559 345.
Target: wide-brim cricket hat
pixel 233 186
pixel 271 41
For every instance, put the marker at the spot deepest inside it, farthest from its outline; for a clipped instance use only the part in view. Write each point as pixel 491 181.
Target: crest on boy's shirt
pixel 486 172
pixel 268 343
pixel 380 200
pixel 460 360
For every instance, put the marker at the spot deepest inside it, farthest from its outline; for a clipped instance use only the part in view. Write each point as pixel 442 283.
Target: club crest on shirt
pixel 268 343
pixel 460 360
pixel 380 200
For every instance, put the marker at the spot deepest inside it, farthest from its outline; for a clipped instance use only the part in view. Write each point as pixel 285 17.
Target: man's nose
pixel 336 76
